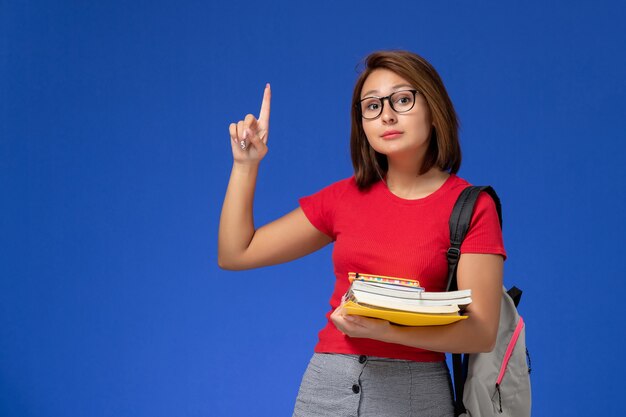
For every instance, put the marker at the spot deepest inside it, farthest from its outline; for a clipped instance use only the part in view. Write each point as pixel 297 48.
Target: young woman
pixel 390 218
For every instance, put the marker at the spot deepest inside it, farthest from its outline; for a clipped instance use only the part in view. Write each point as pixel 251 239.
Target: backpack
pixel 495 383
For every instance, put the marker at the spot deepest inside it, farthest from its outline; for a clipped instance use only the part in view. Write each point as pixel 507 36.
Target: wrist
pixel 392 333
pixel 247 167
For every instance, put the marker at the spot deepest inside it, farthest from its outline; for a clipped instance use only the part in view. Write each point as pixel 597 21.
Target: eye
pixel 370 105
pixel 403 98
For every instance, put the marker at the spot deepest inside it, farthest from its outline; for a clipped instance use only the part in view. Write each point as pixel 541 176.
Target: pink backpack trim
pixel 509 349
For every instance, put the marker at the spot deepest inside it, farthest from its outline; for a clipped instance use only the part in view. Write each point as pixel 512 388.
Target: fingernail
pixel 245 134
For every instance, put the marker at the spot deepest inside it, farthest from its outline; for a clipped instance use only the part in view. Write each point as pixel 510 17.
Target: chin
pixel 399 149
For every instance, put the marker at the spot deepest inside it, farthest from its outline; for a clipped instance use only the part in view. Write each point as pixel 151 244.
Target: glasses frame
pixel 382 104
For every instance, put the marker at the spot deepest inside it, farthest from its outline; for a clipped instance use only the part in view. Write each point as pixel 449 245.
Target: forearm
pixel 480 272
pixel 237 221
pixel 483 274
pixel 466 336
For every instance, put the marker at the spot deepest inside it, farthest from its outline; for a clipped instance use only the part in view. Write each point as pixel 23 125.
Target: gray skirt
pixel 340 385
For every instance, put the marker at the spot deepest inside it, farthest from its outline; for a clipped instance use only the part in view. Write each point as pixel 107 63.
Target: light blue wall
pixel 114 159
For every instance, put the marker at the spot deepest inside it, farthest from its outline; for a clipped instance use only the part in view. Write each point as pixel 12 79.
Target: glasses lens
pixel 371 107
pixel 402 101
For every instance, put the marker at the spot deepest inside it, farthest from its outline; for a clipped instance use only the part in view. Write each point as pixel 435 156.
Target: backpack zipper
pixel 507 356
pixel 509 350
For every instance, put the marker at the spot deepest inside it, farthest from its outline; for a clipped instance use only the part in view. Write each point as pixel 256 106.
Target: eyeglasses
pixel 400 102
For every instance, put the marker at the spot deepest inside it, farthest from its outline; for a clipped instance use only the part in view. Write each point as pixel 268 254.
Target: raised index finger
pixel 264 115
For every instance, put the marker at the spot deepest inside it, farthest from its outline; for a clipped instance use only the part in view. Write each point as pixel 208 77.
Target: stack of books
pixel 403 301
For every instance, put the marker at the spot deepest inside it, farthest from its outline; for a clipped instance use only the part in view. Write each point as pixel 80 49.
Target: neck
pixel 407 183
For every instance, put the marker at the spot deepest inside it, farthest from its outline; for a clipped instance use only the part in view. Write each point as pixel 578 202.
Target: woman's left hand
pixel 359 326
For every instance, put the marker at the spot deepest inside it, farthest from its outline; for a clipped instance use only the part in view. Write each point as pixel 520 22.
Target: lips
pixel 390 134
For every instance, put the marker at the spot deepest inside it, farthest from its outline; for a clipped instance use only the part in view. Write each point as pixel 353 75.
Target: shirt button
pixel 362 359
pixel 356 389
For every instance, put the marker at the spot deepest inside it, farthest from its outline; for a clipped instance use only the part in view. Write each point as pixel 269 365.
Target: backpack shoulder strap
pixel 459 223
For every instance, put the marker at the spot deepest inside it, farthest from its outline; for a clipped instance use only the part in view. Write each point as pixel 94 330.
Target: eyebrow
pixel 395 87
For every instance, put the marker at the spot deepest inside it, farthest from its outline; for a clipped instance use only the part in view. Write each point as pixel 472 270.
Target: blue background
pixel 115 155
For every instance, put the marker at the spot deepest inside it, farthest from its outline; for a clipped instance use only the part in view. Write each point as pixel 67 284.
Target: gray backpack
pixel 496 383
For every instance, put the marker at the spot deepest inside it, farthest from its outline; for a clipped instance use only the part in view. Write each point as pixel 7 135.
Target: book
pixel 395 303
pixel 403 301
pixel 402 317
pixel 382 280
pixel 461 297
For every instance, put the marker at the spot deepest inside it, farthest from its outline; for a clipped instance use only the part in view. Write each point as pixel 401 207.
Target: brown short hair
pixel 443 150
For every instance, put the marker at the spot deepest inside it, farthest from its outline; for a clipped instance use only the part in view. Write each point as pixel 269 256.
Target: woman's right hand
pixel 248 137
pixel 240 244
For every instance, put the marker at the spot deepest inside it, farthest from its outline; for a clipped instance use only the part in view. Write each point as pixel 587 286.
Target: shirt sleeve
pixel 485 234
pixel 320 207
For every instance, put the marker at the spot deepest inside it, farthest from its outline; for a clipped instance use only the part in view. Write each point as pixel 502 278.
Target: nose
pixel 388 115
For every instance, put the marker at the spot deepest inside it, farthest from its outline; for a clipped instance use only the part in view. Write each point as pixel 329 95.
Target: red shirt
pixel 377 232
